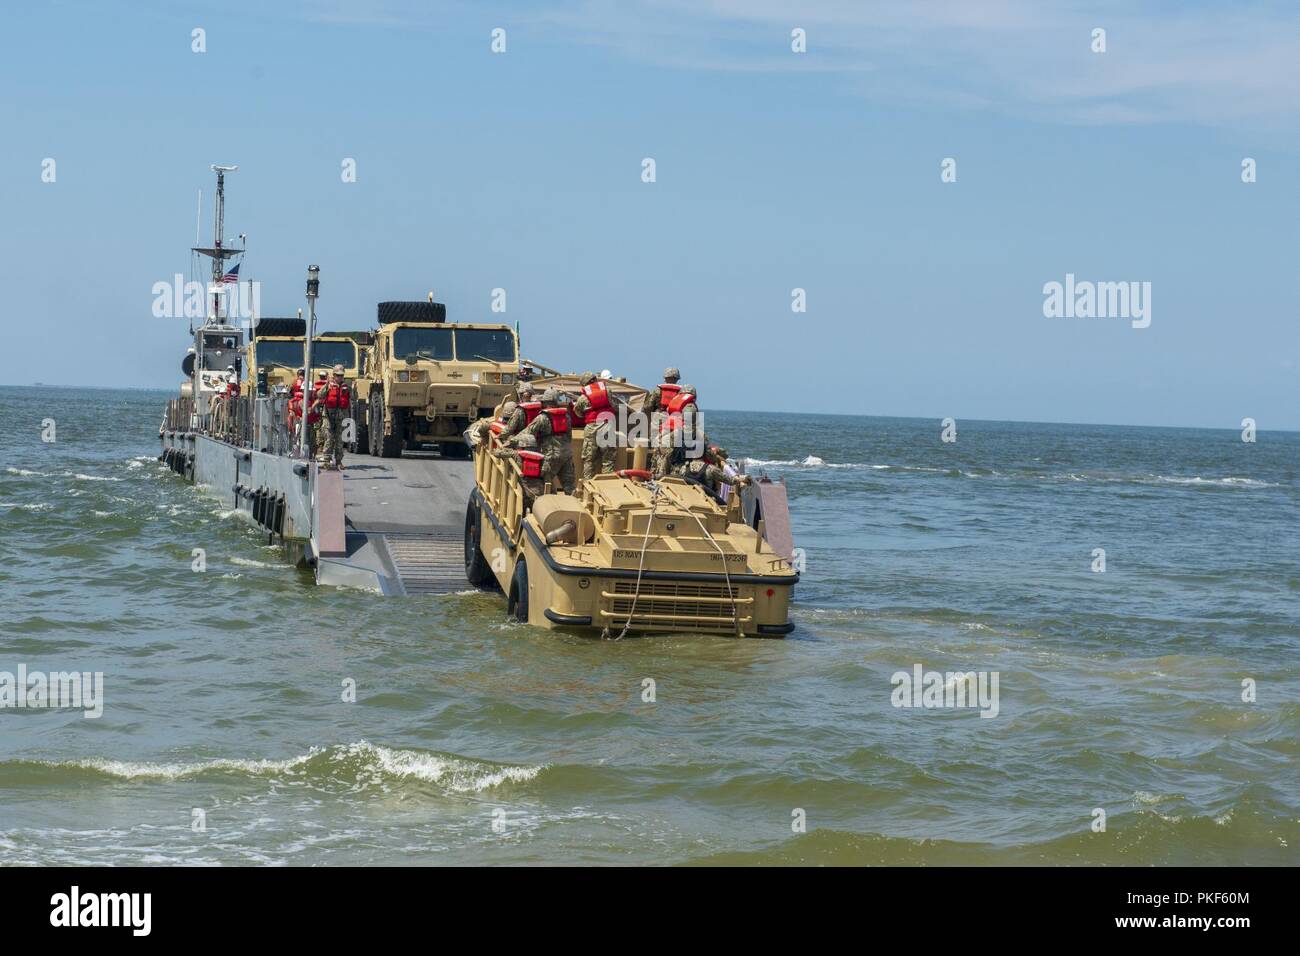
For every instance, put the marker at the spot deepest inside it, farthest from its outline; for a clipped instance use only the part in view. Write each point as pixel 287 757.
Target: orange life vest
pixel 597 394
pixel 337 396
pixel 667 392
pixel 559 419
pixel 497 427
pixel 530 462
pixel 530 411
pixel 675 417
pixel 232 388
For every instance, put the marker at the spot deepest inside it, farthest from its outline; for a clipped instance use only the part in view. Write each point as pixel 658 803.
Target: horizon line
pixel 1003 421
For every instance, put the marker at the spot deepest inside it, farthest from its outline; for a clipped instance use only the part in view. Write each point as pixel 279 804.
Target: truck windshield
pixel 289 354
pixel 329 354
pixel 425 343
pixel 493 345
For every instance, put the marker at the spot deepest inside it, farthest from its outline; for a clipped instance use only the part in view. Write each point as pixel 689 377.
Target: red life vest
pixel 675 417
pixel 497 427
pixel 597 394
pixel 530 411
pixel 296 389
pixel 232 388
pixel 337 396
pixel 559 419
pixel 667 392
pixel 530 462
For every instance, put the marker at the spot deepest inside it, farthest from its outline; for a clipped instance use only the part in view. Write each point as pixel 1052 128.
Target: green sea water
pixel 473 740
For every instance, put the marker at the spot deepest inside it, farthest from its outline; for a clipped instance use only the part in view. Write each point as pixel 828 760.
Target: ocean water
pixel 473 740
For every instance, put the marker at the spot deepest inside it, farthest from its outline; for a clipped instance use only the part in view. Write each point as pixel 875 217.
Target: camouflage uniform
pixel 671 446
pixel 708 470
pixel 515 423
pixel 479 431
pixel 330 428
pixel 598 439
pixel 558 464
pixel 651 407
pixel 533 487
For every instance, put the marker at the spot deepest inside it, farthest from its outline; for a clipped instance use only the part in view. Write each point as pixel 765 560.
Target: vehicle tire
pixel 390 446
pixel 360 444
pixel 517 605
pixel 411 312
pixel 477 571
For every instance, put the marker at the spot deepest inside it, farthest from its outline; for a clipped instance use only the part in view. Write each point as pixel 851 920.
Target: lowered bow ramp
pixel 402 521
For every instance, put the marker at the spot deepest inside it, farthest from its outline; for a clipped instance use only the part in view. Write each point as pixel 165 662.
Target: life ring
pixel 640 474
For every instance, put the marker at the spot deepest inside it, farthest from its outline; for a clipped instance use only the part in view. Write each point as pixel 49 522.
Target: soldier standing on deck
pixel 599 438
pixel 551 430
pixel 677 431
pixel 333 398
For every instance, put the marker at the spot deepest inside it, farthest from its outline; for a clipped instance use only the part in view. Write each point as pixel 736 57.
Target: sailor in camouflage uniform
pixel 533 487
pixel 678 432
pixel 518 417
pixel 710 470
pixel 555 445
pixel 480 430
pixel 599 436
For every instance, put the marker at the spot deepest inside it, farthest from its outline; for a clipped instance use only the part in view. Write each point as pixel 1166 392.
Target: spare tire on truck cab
pixel 428 312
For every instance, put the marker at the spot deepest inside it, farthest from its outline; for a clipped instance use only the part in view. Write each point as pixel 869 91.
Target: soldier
pixel 551 430
pixel 333 398
pixel 661 395
pixel 599 439
pixel 479 431
pixel 530 463
pixel 710 470
pixel 525 411
pixel 676 431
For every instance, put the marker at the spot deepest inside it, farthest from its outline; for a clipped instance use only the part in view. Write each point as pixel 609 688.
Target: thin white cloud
pixel 1230 66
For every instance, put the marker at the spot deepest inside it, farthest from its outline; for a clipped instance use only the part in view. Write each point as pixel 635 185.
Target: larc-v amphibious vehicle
pixel 628 553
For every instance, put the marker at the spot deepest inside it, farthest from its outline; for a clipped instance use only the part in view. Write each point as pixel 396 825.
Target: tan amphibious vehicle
pixel 627 553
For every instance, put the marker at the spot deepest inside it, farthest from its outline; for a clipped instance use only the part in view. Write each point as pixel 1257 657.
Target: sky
pixel 774 170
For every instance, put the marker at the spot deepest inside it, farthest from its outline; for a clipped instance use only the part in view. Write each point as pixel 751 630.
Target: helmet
pixel 302 371
pixel 526 440
pixel 672 374
pixel 586 378
pixel 689 389
pixel 550 396
pixel 338 369
pixel 524 388
pixel 508 409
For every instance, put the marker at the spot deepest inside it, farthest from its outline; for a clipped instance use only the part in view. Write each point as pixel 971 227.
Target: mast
pixel 218 251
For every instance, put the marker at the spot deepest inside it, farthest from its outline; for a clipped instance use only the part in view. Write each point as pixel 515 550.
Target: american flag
pixel 232 275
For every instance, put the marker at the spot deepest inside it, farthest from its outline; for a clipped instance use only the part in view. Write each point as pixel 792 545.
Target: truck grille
pixel 677 605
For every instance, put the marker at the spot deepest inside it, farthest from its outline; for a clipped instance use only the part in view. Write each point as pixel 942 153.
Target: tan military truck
pixel 275 351
pixel 427 379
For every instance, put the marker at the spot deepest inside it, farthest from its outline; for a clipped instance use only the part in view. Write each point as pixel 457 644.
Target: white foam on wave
pixel 250 563
pixel 370 765
pixel 18 506
pixel 26 472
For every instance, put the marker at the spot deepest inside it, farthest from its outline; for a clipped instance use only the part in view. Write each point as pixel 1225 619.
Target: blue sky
pixel 775 171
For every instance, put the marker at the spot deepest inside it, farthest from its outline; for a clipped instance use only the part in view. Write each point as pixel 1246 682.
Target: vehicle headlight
pixel 507 378
pixel 494 378
pixel 403 376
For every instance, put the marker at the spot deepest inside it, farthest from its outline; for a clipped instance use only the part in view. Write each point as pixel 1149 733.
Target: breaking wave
pixel 355 767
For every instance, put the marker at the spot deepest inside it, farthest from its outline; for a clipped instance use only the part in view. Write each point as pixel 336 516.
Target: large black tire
pixel 412 312
pixel 360 444
pixel 477 570
pixel 388 446
pixel 517 603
